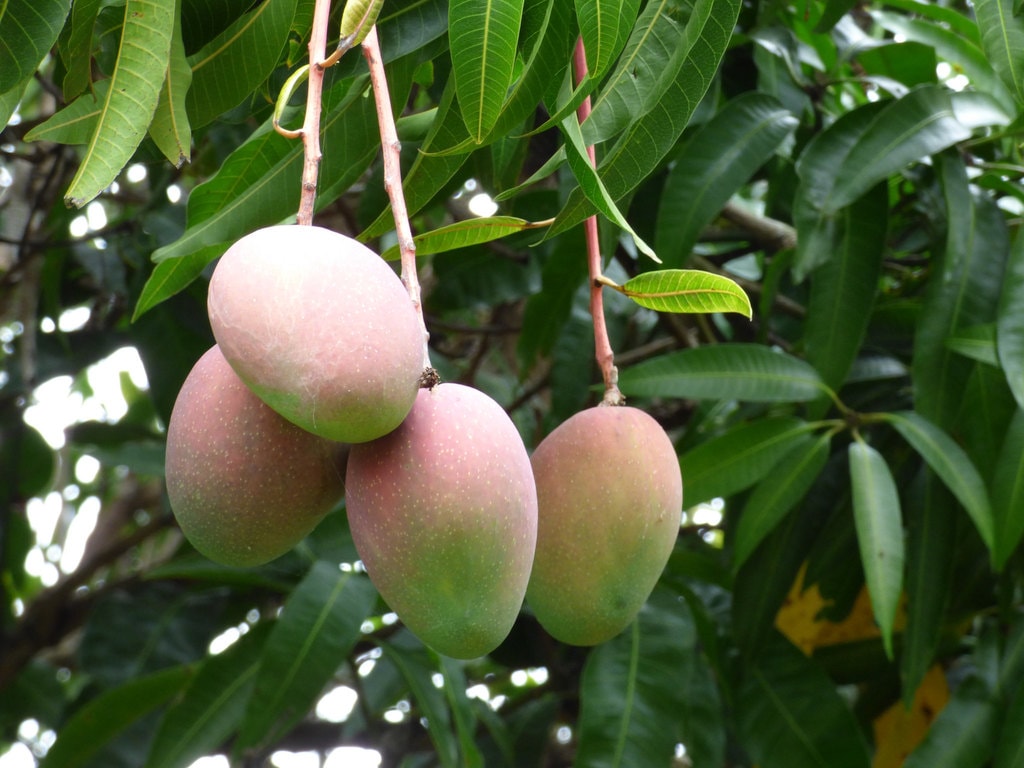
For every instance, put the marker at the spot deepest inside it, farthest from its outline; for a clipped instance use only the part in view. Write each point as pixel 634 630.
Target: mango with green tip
pixel 321 328
pixel 610 497
pixel 443 513
pixel 245 485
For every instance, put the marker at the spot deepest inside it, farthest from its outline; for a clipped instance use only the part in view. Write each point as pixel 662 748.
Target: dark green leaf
pixel 110 713
pixel 791 716
pixel 964 733
pixel 951 464
pixel 1010 321
pixel 78 51
pixel 876 512
pixel 978 342
pixel 455 686
pixel 728 371
pixel 631 689
pixel 737 459
pixel 1002 35
pixel 1008 493
pixel 1010 747
pixel 714 163
pixel 28 29
pixel 319 625
pixel 170 129
pixel 795 472
pixel 173 275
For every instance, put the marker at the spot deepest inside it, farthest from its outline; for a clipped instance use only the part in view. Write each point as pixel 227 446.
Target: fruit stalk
pixel 602 345
pixel 311 123
pixel 391 149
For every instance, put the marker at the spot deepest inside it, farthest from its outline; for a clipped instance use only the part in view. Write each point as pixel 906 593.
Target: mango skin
pixel 244 484
pixel 443 512
pixel 321 328
pixel 610 497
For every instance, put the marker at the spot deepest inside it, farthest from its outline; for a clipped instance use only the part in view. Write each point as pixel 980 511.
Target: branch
pixel 311 123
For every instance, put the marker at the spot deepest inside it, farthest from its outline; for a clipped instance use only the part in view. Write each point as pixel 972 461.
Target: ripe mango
pixel 610 497
pixel 321 328
pixel 245 484
pixel 443 512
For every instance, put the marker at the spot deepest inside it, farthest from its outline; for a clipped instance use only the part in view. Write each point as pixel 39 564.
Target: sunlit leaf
pixel 951 464
pixel 483 36
pixel 727 371
pixel 876 513
pixel 687 290
pixel 462 234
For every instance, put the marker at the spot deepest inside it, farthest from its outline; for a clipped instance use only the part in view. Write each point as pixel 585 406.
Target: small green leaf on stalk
pixel 296 78
pixel 465 233
pixel 685 290
pixel 356 20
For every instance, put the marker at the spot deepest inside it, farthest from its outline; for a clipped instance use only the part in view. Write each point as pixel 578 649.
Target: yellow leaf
pixel 898 730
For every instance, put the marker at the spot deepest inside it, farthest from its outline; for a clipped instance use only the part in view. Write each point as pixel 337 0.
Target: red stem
pixel 602 345
pixel 391 149
pixel 311 124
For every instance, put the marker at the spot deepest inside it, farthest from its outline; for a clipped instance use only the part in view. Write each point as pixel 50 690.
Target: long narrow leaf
pixel 462 234
pixel 951 464
pixel 1002 35
pixel 1010 321
pixel 131 99
pixel 687 290
pixel 170 128
pixel 319 625
pixel 1008 493
pixel 876 513
pixel 728 371
pixel 483 36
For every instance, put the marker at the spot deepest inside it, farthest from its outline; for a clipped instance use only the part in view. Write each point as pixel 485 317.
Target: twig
pixel 602 345
pixel 311 123
pixel 391 149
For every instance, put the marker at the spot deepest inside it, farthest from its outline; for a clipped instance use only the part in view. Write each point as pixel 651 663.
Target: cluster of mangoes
pixel 319 358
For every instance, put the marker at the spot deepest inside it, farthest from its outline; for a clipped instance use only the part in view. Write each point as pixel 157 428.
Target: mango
pixel 244 484
pixel 443 512
pixel 321 328
pixel 610 497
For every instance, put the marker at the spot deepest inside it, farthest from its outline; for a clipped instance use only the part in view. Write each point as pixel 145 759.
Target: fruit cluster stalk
pixel 602 345
pixel 391 149
pixel 311 123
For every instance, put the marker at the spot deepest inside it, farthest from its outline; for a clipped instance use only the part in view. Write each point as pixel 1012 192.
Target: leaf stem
pixel 311 123
pixel 602 346
pixel 391 149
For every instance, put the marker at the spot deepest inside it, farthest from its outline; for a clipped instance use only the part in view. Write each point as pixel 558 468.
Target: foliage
pixel 854 167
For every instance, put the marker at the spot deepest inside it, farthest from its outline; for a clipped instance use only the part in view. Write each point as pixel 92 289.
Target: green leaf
pixel 977 342
pixel 173 275
pixel 876 513
pixel 319 625
pixel 844 287
pixel 795 471
pixel 1010 747
pixel 212 706
pixel 1008 493
pixel 1002 36
pixel 110 713
pixel 647 67
pixel 75 123
pixel 418 667
pixel 647 140
pixel 28 29
pixel 462 234
pixel 455 686
pixel 714 163
pixel 738 458
pixel 1010 321
pixel 130 100
pixel 170 129
pixel 234 64
pixel 78 51
pixel 631 689
pixel 964 733
pixel 791 716
pixel 482 39
pixel 591 184
pixel 738 371
pixel 964 291
pixel 9 100
pixel 604 27
pixel 687 290
pixel 951 464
